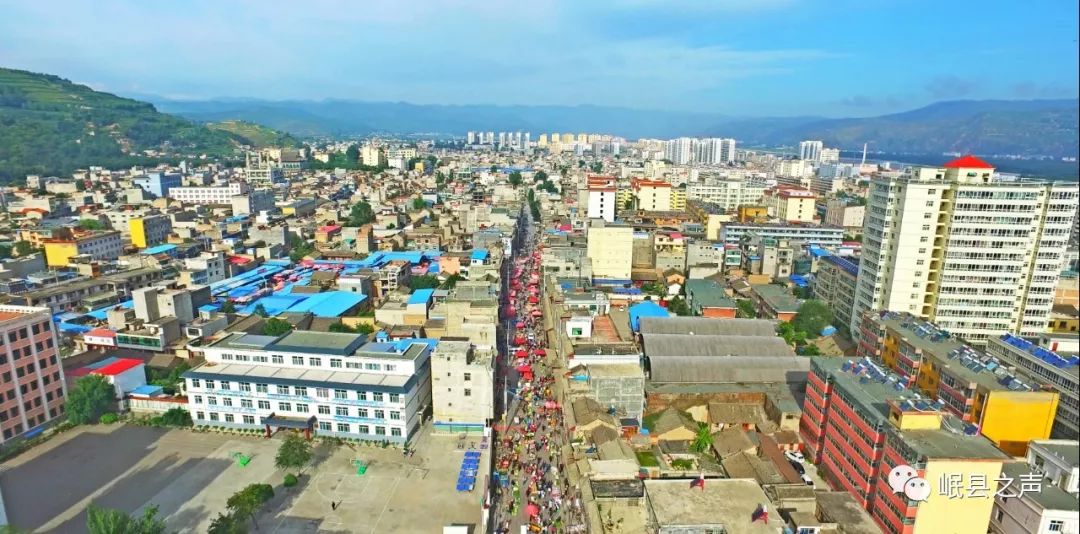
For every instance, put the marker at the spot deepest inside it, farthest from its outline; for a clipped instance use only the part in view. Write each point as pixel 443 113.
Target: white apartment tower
pixel 679 151
pixel 952 245
pixel 601 201
pixel 810 150
pixel 714 151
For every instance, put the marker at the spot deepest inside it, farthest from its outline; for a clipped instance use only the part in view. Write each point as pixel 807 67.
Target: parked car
pixel 798 467
pixel 807 479
pixel 795 456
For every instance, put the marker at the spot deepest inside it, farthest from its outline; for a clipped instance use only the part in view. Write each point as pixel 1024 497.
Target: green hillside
pixel 255 135
pixel 49 125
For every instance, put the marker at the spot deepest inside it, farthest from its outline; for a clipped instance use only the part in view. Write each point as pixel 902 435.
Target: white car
pixel 795 456
pixel 806 478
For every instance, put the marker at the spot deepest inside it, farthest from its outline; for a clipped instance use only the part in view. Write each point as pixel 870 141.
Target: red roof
pixel 117 367
pixel 101 332
pixel 968 162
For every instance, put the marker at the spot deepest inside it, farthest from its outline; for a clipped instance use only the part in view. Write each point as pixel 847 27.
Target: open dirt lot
pixel 190 475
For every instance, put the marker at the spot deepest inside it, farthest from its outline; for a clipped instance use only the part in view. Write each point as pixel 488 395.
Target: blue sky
pixel 738 57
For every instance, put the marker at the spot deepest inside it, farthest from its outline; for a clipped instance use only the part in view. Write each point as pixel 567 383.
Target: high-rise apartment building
pixel 714 151
pixel 679 151
pixel 727 193
pixel 977 256
pixel 471 138
pixel 611 251
pixel 810 150
pixel 32 390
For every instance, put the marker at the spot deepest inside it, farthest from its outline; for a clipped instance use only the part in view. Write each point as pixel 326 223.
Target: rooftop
pixel 946 445
pixel 967 162
pixel 316 377
pixel 721 502
pixel 1050 497
pixel 707 326
pixel 777 297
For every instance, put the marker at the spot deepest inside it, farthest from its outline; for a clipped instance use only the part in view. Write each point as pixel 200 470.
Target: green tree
pixel 812 317
pixel 246 503
pixel 226 523
pixel 629 204
pixel 678 306
pixel 452 281
pixel 276 327
pixel 494 168
pixel 360 214
pixel 90 224
pixel 540 176
pixel 294 454
pixel 228 307
pixel 427 281
pixel 352 154
pixel 418 204
pixel 597 166
pixel 515 178
pixel 24 248
pixel 791 335
pixel 746 309
pixel 5 251
pixel 703 439
pixel 92 396
pixel 177 417
pixel 108 521
pixel 341 328
pixel 364 328
pixel 810 350
pixel 260 310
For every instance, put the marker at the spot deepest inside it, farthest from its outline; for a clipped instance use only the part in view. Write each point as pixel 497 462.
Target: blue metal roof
pixel 480 254
pixel 645 309
pixel 421 296
pixel 847 265
pixel 160 249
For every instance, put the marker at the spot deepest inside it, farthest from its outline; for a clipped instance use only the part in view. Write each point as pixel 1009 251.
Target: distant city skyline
pixel 737 57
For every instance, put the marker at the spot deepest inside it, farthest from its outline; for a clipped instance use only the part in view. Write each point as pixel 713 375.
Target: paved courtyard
pixel 190 475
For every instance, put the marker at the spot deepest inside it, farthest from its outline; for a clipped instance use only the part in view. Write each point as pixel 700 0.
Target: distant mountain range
pixel 1027 127
pixel 49 125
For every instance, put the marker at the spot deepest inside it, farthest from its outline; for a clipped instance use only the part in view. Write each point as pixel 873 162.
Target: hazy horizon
pixel 738 58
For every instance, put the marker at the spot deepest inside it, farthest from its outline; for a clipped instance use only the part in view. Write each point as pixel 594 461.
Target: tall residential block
pixel 32 391
pixel 978 256
pixel 810 150
pixel 150 230
pixel 462 387
pixel 601 198
pixel 858 425
pixel 1008 408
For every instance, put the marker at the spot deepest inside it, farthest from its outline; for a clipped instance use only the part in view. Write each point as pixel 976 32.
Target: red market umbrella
pixel 537 313
pixel 532 510
pixel 521 353
pixel 523 368
pixel 534 300
pixel 519 341
pixel 540 352
pixel 520 324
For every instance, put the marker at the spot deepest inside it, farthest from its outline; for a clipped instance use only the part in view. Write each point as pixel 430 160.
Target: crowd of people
pixel 532 490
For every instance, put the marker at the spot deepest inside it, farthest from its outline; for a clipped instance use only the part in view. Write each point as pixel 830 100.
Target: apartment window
pixel 200 416
pixel 284 406
pixel 341 394
pixel 396 432
pixel 249 419
pixel 324 426
pixel 395 416
pixel 197 399
pixel 282 390
pixel 929 203
pixel 227 401
pixel 246 403
pixel 245 386
pixel 261 388
pixel 363 429
pixel 301 407
pixel 362 395
pixel 380 414
pixel 227 357
pixel 927 215
pixel 341 411
pixel 324 410
pixel 214 416
pixel 377 397
pixel 1056 525
pixel 362 412
pixel 924 239
pixel 343 427
pixel 468 376
pixel 277 358
pixel 264 405
pixel 298 360
pixel 335 363
pixel 229 418
pixel 211 401
pixel 395 397
pixel 209 384
pixel 315 362
pixel 380 431
pixel 372 366
pixel 224 385
pixel 301 391
pixel 389 368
